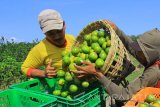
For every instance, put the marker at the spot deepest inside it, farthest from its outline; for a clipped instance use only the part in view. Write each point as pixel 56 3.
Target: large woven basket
pixel 113 66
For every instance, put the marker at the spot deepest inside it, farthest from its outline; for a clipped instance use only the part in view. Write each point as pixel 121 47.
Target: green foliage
pixel 134 37
pixel 10 72
pixel 12 55
pixel 17 50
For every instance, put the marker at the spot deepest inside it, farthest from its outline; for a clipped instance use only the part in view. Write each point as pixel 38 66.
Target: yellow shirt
pixel 44 51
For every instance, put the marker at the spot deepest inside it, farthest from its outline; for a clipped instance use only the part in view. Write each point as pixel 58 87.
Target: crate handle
pixel 33 85
pixel 34 99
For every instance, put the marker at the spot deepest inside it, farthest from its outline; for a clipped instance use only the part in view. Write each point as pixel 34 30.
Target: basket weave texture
pixel 114 67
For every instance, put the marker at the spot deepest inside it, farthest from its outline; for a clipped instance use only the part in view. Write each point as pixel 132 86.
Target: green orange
pixel 93 56
pixel 94 33
pixel 94 45
pixel 73 88
pixel 60 73
pixel 75 51
pixel 107 50
pixel 85 49
pixel 97 49
pixel 108 43
pixel 150 98
pixel 64 94
pixel 66 60
pixel 101 33
pixel 57 92
pixel 85 84
pixel 99 63
pixel 101 40
pixel 87 37
pixel 72 67
pixel 103 55
pixel 61 81
pixel 65 53
pixel 78 60
pixel 68 76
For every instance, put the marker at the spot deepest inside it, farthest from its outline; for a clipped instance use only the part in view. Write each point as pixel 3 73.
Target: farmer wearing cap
pixel 48 51
pixel 147 51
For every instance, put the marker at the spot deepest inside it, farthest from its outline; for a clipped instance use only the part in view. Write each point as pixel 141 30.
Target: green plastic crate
pixel 22 98
pixel 87 99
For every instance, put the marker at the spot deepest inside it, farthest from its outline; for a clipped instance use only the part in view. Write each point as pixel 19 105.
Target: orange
pixel 157 101
pixel 155 105
pixel 108 43
pixel 94 38
pixel 75 51
pixel 101 40
pixel 61 81
pixel 56 92
pixel 87 37
pixel 93 56
pixel 85 49
pixel 104 45
pixel 107 38
pixel 99 63
pixel 68 76
pixel 97 49
pixel 85 84
pixel 66 60
pixel 73 88
pixel 94 45
pixel 107 50
pixel 69 97
pixel 64 93
pixel 94 33
pixel 82 55
pixel 60 73
pixel 144 105
pixel 72 67
pixel 78 60
pixel 65 53
pixel 101 33
pixel 103 55
pixel 150 98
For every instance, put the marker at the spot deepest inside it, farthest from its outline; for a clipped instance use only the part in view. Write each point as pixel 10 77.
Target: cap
pixel 49 20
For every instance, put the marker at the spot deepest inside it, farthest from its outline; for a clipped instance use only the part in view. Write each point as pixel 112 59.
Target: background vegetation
pixel 12 55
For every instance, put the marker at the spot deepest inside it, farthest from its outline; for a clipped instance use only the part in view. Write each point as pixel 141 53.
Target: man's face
pixel 56 37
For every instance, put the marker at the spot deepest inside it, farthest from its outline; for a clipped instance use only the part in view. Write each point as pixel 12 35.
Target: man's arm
pixel 148 79
pixel 123 37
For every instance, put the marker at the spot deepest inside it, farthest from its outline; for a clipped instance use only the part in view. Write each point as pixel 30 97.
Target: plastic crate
pixel 21 98
pixel 141 96
pixel 86 99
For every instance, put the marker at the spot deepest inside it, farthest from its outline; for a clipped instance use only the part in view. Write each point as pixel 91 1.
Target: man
pixel 147 51
pixel 48 51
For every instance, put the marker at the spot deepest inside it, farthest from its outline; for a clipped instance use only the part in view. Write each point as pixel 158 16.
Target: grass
pixel 134 75
pixel 137 72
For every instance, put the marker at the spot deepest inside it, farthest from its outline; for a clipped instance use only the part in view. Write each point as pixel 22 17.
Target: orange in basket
pixel 140 96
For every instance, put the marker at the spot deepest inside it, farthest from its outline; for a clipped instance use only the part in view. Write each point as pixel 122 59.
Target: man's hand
pixel 50 71
pixel 88 69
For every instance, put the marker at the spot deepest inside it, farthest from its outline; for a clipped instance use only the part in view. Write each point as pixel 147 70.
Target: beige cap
pixel 49 20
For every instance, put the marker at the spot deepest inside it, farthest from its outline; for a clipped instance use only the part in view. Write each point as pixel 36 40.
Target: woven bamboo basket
pixel 113 66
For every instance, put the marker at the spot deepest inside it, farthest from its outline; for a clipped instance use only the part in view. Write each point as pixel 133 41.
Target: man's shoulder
pixel 40 45
pixel 69 36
